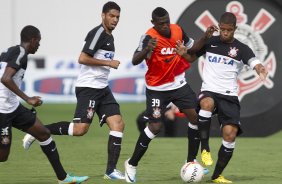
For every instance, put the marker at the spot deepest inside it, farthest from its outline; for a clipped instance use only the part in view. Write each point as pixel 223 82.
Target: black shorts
pixel 227 108
pixel 22 118
pixel 91 100
pixel 157 101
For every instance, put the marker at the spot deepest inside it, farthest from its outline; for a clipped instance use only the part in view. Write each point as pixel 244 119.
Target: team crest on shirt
pixel 233 52
pixel 156 112
pixel 90 113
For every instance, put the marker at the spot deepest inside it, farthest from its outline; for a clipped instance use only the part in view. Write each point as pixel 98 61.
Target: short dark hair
pixel 228 18
pixel 109 6
pixel 29 32
pixel 158 12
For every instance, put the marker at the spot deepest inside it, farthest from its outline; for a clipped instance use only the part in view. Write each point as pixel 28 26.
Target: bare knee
pixel 207 104
pixel 155 128
pixel 229 133
pixel 115 123
pixel 80 129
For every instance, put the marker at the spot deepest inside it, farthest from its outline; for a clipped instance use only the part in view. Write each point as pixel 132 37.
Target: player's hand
pixel 210 30
pixel 181 49
pixel 151 44
pixel 114 64
pixel 34 101
pixel 263 73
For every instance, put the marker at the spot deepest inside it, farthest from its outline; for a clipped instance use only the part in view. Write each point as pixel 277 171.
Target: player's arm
pixel 250 59
pixel 86 59
pixel 201 42
pixel 7 80
pixel 145 49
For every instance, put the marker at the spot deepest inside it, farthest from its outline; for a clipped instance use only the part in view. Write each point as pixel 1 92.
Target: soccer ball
pixel 192 172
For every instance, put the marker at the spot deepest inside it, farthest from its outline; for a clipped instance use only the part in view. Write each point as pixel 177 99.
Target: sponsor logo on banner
pixel 258 27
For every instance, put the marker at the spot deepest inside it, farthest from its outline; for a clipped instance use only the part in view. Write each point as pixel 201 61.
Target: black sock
pixel 59 128
pixel 140 148
pixel 52 154
pixel 114 147
pixel 224 155
pixel 193 144
pixel 204 129
pixel 169 129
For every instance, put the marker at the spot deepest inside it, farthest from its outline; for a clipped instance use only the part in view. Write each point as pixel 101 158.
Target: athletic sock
pixel 50 150
pixel 204 123
pixel 224 155
pixel 141 146
pixel 59 128
pixel 193 142
pixel 114 147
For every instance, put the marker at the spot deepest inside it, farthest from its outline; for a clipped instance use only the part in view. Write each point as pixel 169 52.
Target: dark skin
pixel 162 26
pixel 229 131
pixel 38 130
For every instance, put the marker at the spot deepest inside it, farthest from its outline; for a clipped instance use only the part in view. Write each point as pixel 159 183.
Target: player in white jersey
pixel 13 64
pixel 92 91
pixel 225 58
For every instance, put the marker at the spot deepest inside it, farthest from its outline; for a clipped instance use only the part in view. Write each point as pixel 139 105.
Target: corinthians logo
pixel 259 24
pixel 248 80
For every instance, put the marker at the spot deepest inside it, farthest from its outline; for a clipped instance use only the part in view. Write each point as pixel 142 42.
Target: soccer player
pixel 225 58
pixel 13 64
pixel 165 83
pixel 92 91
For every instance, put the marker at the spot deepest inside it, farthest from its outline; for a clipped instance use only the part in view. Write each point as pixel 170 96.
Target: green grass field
pixel 255 160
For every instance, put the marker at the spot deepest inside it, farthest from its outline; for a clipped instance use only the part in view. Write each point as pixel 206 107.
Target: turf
pixel 255 161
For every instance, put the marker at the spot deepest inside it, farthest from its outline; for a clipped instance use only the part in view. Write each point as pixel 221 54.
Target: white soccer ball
pixel 192 172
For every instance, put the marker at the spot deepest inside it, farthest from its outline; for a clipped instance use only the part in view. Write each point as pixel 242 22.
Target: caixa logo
pixel 258 24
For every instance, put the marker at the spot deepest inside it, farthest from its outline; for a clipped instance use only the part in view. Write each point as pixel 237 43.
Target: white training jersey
pixel 99 45
pixel 223 63
pixel 15 57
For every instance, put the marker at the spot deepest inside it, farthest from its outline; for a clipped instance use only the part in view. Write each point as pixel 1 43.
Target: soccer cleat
pixel 70 179
pixel 206 158
pixel 221 179
pixel 27 141
pixel 115 175
pixel 130 172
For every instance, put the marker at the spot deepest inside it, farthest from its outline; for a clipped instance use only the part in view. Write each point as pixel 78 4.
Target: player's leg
pixel 83 116
pixel 206 102
pixel 185 99
pixel 229 117
pixel 28 122
pixel 109 112
pixel 155 109
pixel 225 153
pixel 5 136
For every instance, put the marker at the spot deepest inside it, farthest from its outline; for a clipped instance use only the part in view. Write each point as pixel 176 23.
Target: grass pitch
pixel 255 160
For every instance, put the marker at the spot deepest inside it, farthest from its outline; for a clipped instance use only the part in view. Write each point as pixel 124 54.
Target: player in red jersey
pixel 165 83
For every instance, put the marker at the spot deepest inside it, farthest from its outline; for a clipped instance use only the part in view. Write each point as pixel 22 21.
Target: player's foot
pixel 130 172
pixel 206 171
pixel 27 141
pixel 115 175
pixel 221 179
pixel 206 158
pixel 70 179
